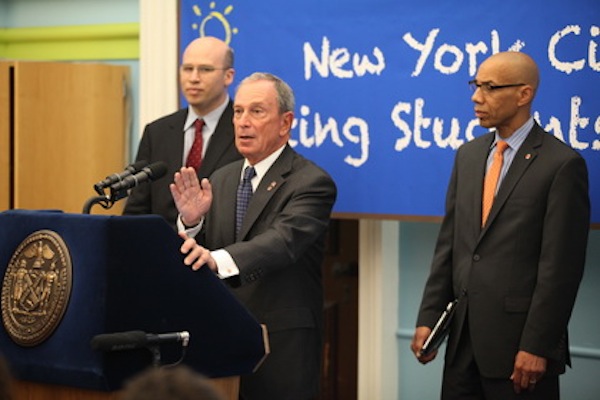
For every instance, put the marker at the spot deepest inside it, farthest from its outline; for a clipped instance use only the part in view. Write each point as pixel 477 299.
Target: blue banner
pixel 382 100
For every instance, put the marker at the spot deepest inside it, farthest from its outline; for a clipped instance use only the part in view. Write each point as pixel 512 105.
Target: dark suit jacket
pixel 279 254
pixel 519 274
pixel 163 141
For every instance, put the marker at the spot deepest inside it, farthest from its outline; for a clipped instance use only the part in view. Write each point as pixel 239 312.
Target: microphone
pixel 114 178
pixel 147 174
pixel 136 339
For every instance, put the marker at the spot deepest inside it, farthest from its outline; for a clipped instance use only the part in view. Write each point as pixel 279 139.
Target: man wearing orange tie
pixel 511 247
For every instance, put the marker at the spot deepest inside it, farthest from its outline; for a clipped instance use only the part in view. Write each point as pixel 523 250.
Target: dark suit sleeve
pixel 139 201
pixel 562 258
pixel 438 289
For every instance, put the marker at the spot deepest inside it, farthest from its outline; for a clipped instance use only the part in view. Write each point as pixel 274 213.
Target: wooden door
pixel 70 124
pixel 340 281
pixel 5 144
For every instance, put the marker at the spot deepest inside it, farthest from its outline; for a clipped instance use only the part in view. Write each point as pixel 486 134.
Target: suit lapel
pixel 521 162
pixel 176 136
pixel 220 141
pixel 270 184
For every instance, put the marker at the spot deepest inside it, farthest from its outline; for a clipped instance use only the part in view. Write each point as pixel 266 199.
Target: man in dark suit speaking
pixel 205 74
pixel 511 247
pixel 271 254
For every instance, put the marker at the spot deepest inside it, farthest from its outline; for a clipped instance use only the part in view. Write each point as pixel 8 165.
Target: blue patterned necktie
pixel 244 193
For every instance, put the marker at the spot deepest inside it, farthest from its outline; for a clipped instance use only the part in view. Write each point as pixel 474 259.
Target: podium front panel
pixel 128 274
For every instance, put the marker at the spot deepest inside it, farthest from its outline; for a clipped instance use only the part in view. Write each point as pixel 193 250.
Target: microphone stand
pixel 104 200
pixel 155 350
pixel 156 356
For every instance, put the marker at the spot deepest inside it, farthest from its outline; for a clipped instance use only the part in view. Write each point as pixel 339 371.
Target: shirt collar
pixel 210 120
pixel 518 137
pixel 263 166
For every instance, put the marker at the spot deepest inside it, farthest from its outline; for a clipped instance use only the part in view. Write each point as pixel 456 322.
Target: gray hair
pixel 285 95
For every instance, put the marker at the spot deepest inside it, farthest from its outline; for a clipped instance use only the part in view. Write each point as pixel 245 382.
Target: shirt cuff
pixel 226 267
pixel 191 231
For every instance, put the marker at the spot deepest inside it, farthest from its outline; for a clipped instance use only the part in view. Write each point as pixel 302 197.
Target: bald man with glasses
pixel 511 247
pixel 205 74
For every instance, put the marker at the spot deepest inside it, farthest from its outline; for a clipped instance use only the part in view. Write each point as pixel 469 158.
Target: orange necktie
pixel 194 158
pixel 491 180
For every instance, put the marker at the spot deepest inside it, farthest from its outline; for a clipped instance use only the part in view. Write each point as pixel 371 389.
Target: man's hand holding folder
pixel 426 349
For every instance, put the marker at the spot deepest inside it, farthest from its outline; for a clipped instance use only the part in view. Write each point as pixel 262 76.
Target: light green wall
pixel 75 42
pixel 75 30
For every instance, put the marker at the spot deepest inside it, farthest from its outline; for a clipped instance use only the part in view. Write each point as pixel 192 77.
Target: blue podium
pixel 128 274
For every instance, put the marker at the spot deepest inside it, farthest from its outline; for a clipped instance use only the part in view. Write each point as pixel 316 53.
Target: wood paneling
pixel 5 194
pixel 70 131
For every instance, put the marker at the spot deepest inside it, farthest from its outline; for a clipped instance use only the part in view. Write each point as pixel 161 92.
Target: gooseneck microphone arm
pixel 104 201
pixel 119 184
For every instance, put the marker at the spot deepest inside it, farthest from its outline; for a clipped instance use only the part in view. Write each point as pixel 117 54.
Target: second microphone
pixel 150 173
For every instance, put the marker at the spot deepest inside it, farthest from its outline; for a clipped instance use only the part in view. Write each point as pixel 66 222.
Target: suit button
pixel 476 257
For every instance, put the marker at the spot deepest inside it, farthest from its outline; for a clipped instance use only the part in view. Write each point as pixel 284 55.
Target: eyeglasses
pixel 487 87
pixel 201 69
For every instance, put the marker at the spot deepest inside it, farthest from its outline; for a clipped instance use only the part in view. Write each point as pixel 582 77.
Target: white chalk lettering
pixel 455 66
pixel 579 64
pixel 564 66
pixel 593 49
pixel 423 48
pixel 596 143
pixel 452 139
pixel 473 50
pixel 414 125
pixel 553 126
pixel 321 132
pixel 337 62
pixel 445 49
pixel 402 142
pixel 577 122
pixel 420 122
pixel 362 139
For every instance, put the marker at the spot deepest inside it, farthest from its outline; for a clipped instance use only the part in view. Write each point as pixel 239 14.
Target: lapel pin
pixel 271 186
pixel 527 156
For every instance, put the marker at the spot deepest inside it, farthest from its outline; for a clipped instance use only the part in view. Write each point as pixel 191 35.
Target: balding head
pixel 205 74
pixel 506 86
pixel 515 67
pixel 213 45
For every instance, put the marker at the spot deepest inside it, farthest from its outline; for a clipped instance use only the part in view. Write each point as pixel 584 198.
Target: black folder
pixel 440 330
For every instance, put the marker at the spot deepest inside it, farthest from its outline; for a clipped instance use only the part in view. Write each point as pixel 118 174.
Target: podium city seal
pixel 36 288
